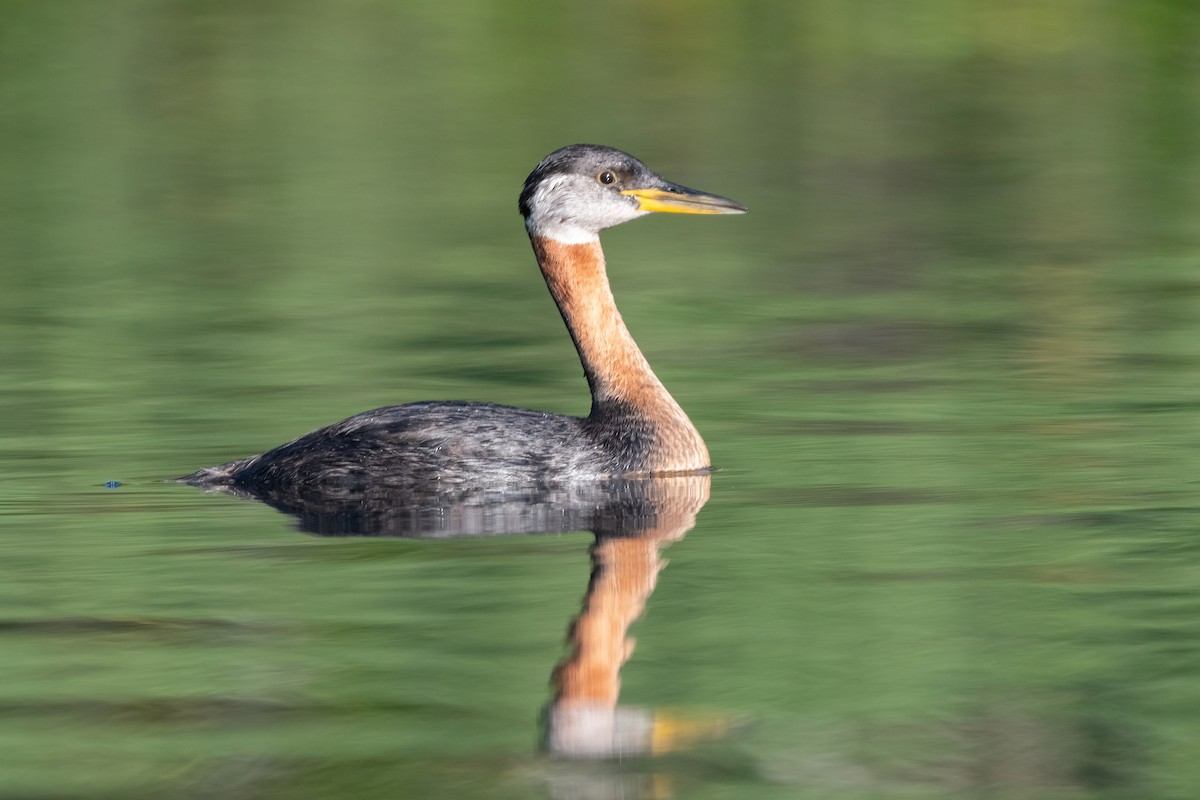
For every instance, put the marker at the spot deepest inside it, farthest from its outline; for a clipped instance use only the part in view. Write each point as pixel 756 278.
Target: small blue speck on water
pixel 111 484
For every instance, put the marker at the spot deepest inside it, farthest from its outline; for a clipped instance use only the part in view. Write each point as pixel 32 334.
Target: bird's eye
pixel 606 177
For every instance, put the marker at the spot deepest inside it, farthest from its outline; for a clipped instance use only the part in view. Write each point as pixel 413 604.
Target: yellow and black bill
pixel 676 199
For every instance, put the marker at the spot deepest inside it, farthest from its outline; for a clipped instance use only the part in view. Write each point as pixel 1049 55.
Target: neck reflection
pixel 583 719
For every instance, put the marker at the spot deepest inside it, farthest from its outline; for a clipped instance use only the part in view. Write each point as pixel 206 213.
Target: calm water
pixel 948 366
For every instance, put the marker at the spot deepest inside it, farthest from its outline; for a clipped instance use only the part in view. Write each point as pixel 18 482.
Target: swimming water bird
pixel 635 427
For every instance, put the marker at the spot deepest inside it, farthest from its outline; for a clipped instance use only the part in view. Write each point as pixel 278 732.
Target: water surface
pixel 947 367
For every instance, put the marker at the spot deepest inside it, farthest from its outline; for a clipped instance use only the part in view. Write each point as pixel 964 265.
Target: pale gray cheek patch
pixel 580 212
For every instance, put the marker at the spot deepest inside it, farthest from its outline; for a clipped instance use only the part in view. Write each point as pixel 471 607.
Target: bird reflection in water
pixel 632 520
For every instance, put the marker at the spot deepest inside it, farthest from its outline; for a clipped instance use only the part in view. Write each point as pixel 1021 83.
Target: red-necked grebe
pixel 635 427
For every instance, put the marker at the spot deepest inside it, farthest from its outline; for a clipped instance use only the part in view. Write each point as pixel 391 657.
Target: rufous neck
pixel 616 369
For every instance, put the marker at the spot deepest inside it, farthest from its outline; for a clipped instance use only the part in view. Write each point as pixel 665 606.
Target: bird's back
pixel 425 444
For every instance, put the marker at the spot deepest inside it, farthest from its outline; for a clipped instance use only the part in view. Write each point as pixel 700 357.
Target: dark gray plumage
pixel 447 444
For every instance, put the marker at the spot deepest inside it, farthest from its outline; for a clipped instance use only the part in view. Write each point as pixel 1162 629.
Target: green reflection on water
pixel 948 364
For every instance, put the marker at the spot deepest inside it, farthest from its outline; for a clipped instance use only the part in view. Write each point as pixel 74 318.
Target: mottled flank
pixel 447 444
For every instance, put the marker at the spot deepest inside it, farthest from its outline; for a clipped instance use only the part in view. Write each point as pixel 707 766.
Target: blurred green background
pixel 948 365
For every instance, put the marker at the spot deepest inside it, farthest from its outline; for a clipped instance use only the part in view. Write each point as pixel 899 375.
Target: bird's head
pixel 581 189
